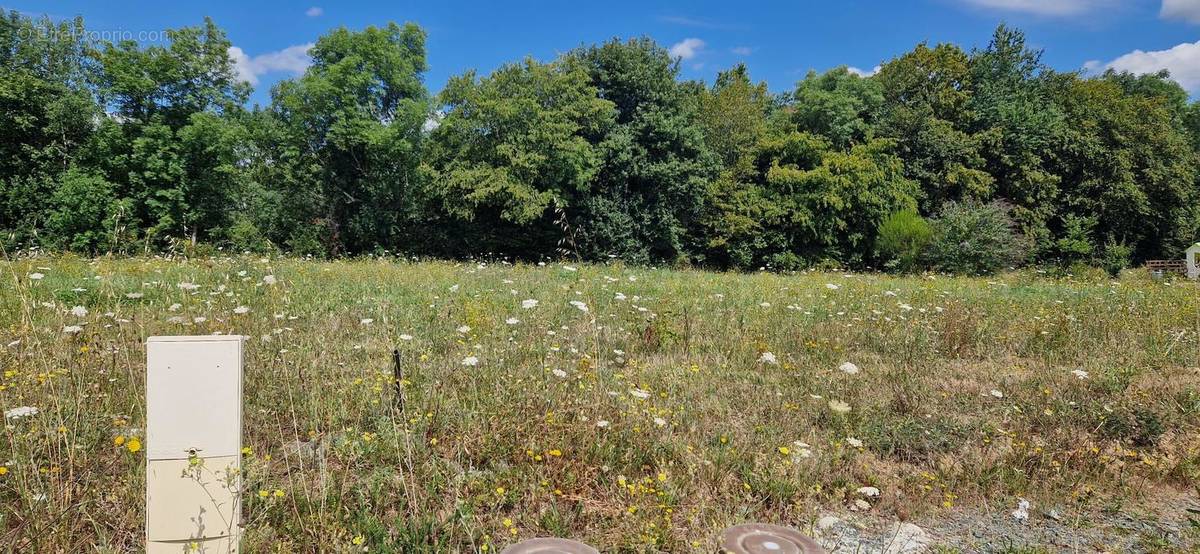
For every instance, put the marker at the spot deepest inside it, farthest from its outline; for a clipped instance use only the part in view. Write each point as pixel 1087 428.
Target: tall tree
pixel 47 112
pixel 515 149
pixel 171 141
pixel 927 95
pixel 650 190
pixel 352 125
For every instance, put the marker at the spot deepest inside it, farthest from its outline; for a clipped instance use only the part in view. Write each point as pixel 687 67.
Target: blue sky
pixel 779 41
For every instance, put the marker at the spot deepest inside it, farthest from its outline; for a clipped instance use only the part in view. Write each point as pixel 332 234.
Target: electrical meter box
pixel 193 443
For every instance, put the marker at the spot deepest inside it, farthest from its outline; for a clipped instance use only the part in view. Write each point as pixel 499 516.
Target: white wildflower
pixel 37 276
pixel 768 358
pixel 997 394
pixel 464 329
pixel 72 329
pixel 79 311
pixel 241 310
pixel 559 373
pixel 848 367
pixel 602 423
pixel 832 286
pixel 406 337
pixel 639 393
pixel 269 280
pixel 839 407
pixel 133 295
pixel 529 304
pixel 1081 374
pixel 366 321
pixel 869 492
pixel 18 413
pixel 1021 514
pixel 470 361
pixel 660 421
pixel 512 321
pixel 582 307
pixel 854 442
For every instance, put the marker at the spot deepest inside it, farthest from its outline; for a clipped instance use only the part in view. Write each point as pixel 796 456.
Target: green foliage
pixel 600 153
pixel 650 189
pixel 903 237
pixel 976 239
pixel 838 105
pixel 85 214
pixel 350 128
pixel 1115 257
pixel 511 146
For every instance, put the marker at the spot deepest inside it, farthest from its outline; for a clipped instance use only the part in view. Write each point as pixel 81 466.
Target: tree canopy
pixel 602 152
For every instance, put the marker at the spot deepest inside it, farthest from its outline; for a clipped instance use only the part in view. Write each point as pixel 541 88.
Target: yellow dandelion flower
pixel 133 445
pixel 118 440
pixel 263 494
pixel 358 539
pixel 784 450
pixel 3 470
pixel 555 452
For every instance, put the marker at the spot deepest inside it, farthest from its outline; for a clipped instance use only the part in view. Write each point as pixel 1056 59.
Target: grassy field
pixel 635 409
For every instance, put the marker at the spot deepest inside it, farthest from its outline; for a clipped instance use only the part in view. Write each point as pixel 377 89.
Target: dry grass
pixel 702 431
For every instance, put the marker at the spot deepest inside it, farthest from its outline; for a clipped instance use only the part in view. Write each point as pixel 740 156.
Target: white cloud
pixel 1183 61
pixel 1045 7
pixel 315 11
pixel 1187 10
pixel 862 72
pixel 293 59
pixel 743 50
pixel 687 48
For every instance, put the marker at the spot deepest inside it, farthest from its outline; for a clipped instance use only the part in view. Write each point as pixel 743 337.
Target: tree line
pixel 946 158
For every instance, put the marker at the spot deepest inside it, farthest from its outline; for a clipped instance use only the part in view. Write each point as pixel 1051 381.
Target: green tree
pixel 927 95
pixel 651 188
pixel 511 149
pixel 171 143
pixel 352 130
pixel 1018 124
pixel 839 105
pixel 46 113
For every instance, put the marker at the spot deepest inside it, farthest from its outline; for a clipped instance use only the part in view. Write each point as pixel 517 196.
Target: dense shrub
pixel 976 238
pixel 903 236
pixel 84 213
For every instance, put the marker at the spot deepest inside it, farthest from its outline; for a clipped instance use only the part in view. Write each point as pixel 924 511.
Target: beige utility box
pixel 193 443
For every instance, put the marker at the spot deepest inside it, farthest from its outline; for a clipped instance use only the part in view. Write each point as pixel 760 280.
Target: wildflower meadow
pixel 397 406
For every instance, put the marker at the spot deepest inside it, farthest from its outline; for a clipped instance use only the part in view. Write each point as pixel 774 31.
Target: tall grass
pixel 677 403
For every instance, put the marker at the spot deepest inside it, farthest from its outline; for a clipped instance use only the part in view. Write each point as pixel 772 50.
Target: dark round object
pixel 761 538
pixel 549 546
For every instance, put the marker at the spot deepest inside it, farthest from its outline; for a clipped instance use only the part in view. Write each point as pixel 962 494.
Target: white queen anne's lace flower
pixel 768 358
pixel 20 412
